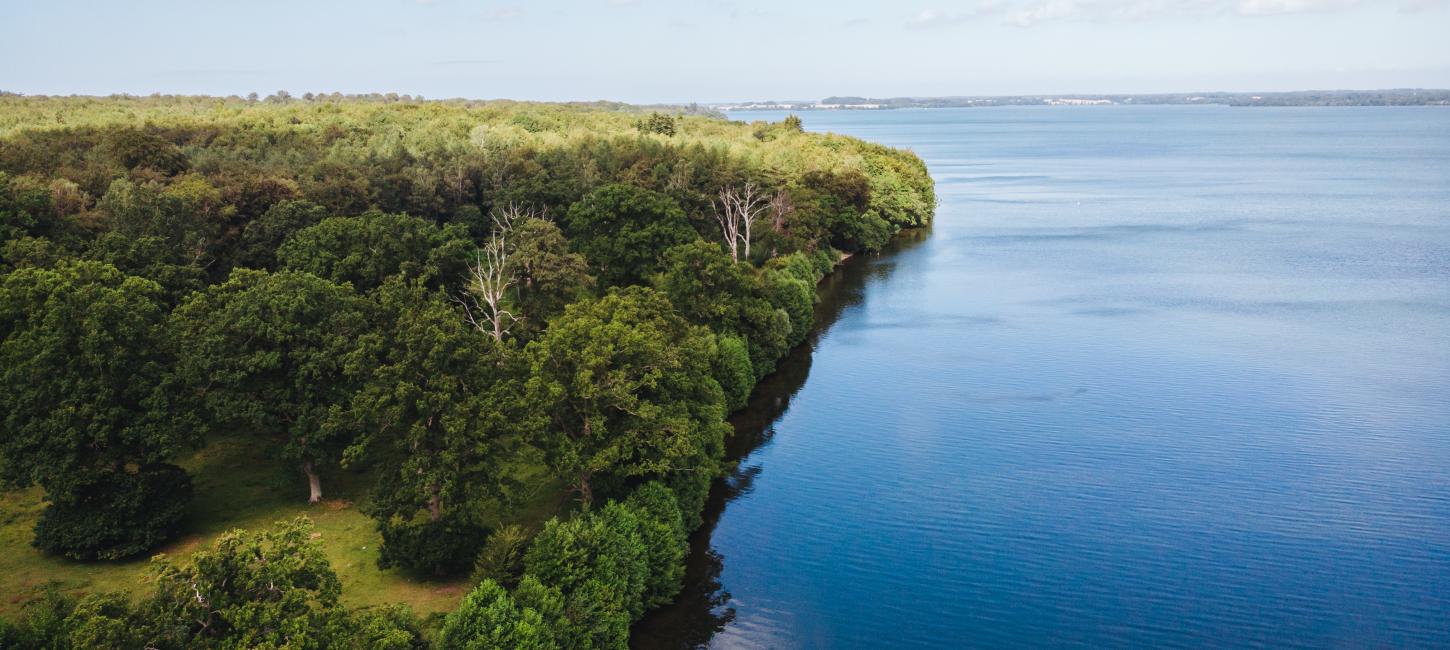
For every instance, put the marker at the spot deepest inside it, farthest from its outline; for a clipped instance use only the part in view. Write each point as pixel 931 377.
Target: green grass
pixel 239 486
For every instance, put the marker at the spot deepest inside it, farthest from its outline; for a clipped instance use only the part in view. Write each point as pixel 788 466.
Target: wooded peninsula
pixel 373 371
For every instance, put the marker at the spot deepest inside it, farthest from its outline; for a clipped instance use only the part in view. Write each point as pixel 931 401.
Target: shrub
pixel 734 372
pixel 44 622
pixel 116 515
pixel 490 618
pixel 393 627
pixel 658 123
pixel 502 557
pixel 106 621
pixel 797 297
pixel 443 547
pixel 268 589
pixel 662 532
pixel 603 546
pixel 692 490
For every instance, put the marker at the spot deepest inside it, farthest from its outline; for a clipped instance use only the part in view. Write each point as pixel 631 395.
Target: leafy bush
pixel 662 533
pixel 659 123
pixel 490 618
pixel 443 547
pixel 734 372
pixel 393 627
pixel 502 557
pixel 116 515
pixel 796 297
pixel 602 546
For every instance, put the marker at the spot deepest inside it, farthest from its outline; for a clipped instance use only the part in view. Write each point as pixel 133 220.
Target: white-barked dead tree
pixel 491 276
pixel 737 210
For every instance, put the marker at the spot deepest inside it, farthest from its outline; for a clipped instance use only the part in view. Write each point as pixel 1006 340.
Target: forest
pixel 272 364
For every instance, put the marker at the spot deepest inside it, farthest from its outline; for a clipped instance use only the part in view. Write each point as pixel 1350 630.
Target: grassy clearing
pixel 239 486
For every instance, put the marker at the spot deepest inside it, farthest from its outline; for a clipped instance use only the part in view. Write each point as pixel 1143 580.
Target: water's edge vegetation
pixel 519 326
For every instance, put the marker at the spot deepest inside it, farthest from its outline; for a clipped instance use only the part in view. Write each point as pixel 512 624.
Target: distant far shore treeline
pixel 1392 97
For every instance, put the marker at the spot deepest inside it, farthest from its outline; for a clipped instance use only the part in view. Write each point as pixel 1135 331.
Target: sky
pixel 719 50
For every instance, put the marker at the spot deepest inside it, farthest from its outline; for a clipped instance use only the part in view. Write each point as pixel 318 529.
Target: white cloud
pixel 936 17
pixel 1276 7
pixel 504 13
pixel 1412 6
pixel 1025 13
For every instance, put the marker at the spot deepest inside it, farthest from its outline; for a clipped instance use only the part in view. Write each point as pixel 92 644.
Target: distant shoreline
pixel 1392 97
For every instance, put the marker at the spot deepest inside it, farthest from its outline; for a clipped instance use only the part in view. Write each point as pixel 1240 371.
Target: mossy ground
pixel 239 486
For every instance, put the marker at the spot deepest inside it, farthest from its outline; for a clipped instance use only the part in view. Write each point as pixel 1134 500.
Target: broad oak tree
pixel 439 402
pixel 87 413
pixel 623 230
pixel 265 354
pixel 627 388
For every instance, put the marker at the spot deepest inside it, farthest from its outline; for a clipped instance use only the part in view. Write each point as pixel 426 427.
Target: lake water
pixel 1158 376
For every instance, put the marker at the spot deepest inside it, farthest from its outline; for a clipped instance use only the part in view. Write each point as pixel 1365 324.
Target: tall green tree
pixel 267 352
pixel 25 210
pixel 623 230
pixel 368 249
pixel 261 237
pixel 265 589
pixel 490 618
pixel 628 389
pixel 440 401
pixel 709 288
pixel 549 276
pixel 168 234
pixel 87 410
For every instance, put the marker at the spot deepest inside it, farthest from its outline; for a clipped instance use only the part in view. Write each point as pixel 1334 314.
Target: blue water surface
pixel 1159 376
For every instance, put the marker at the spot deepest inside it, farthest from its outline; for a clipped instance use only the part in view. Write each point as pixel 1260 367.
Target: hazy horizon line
pixel 420 97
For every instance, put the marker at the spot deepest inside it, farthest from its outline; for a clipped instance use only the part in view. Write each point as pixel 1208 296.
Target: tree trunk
pixel 435 505
pixel 314 482
pixel 586 491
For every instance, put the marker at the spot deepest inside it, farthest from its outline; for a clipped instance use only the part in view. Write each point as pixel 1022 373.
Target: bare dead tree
pixel 491 274
pixel 488 281
pixel 737 210
pixel 510 214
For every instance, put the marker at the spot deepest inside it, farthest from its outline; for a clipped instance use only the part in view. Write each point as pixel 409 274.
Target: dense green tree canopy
pixel 709 288
pixel 87 410
pixel 25 210
pixel 549 277
pixel 623 230
pixel 171 234
pixel 262 237
pixel 84 360
pixel 266 352
pixel 628 389
pixel 368 249
pixel 441 401
pixel 310 273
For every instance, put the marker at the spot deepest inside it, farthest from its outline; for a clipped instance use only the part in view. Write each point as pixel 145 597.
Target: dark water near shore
pixel 1159 376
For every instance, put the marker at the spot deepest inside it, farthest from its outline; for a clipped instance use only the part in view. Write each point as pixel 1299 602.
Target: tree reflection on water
pixel 703 607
